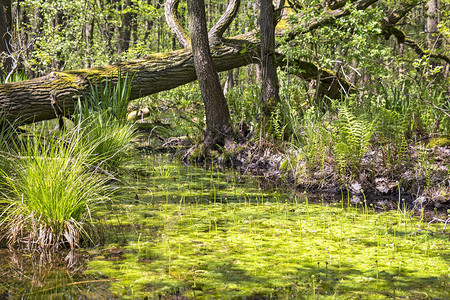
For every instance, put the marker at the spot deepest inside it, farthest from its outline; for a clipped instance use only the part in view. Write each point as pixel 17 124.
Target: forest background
pixel 382 123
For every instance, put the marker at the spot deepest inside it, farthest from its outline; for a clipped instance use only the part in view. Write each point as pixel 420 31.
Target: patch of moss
pixel 439 141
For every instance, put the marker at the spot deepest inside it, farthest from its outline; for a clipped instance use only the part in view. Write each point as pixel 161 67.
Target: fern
pixel 351 140
pixel 391 137
pixel 274 124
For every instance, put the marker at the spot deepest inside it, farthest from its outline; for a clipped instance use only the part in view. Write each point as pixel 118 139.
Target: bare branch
pixel 170 10
pixel 436 107
pixel 225 20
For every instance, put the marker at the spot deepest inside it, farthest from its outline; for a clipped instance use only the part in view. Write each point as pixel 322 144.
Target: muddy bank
pixel 420 182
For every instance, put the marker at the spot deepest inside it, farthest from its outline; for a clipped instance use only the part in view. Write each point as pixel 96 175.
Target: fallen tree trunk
pixel 37 99
pixel 45 97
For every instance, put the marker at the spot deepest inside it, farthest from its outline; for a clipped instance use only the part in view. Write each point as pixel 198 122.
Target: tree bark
pixel 170 11
pixel 225 20
pixel 218 128
pixel 125 28
pixel 30 100
pixel 5 27
pixel 229 82
pixel 89 37
pixel 59 22
pixel 432 23
pixel 270 86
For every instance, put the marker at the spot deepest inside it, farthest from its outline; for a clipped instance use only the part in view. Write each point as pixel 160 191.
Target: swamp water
pixel 184 232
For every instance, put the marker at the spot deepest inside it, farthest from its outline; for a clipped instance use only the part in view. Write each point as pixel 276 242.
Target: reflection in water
pixel 31 275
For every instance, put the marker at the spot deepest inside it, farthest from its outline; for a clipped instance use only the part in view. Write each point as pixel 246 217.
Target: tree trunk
pixel 125 29
pixel 432 23
pixel 5 28
pixel 30 100
pixel 59 22
pixel 229 82
pixel 270 97
pixel 218 128
pixel 89 37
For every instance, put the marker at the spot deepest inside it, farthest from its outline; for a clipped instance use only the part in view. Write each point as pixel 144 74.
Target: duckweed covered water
pixel 188 232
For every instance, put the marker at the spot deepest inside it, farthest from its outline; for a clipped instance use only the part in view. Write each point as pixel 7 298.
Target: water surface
pixel 188 232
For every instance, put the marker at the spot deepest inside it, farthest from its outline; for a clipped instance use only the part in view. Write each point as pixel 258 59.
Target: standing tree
pixel 31 100
pixel 270 96
pixel 432 24
pixel 126 26
pixel 270 86
pixel 5 27
pixel 218 128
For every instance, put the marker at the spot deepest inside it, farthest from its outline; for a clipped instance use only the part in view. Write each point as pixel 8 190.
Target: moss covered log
pixel 34 100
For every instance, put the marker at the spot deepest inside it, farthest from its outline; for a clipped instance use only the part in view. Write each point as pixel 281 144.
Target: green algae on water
pixel 200 234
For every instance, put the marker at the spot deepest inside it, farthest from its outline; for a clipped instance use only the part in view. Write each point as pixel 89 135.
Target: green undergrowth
pixel 50 179
pixel 203 234
pixel 44 201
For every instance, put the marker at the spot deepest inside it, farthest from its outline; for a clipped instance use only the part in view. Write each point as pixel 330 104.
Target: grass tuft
pixel 46 201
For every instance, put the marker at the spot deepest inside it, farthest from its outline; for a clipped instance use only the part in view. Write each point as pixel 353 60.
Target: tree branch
pixel 170 11
pixel 309 71
pixel 445 112
pixel 401 12
pixel 225 20
pixel 329 17
pixel 279 8
pixel 388 29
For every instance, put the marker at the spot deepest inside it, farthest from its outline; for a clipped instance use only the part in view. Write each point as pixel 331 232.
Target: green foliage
pixel 316 140
pixel 356 34
pixel 14 77
pixel 78 34
pixel 441 141
pixel 222 237
pixel 58 31
pixel 181 112
pixel 55 178
pixel 103 117
pixel 276 125
pixel 351 139
pixel 7 134
pixel 47 198
pixel 110 99
pixel 424 166
pixel 114 139
pixel 390 136
pixel 432 117
pixel 243 103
